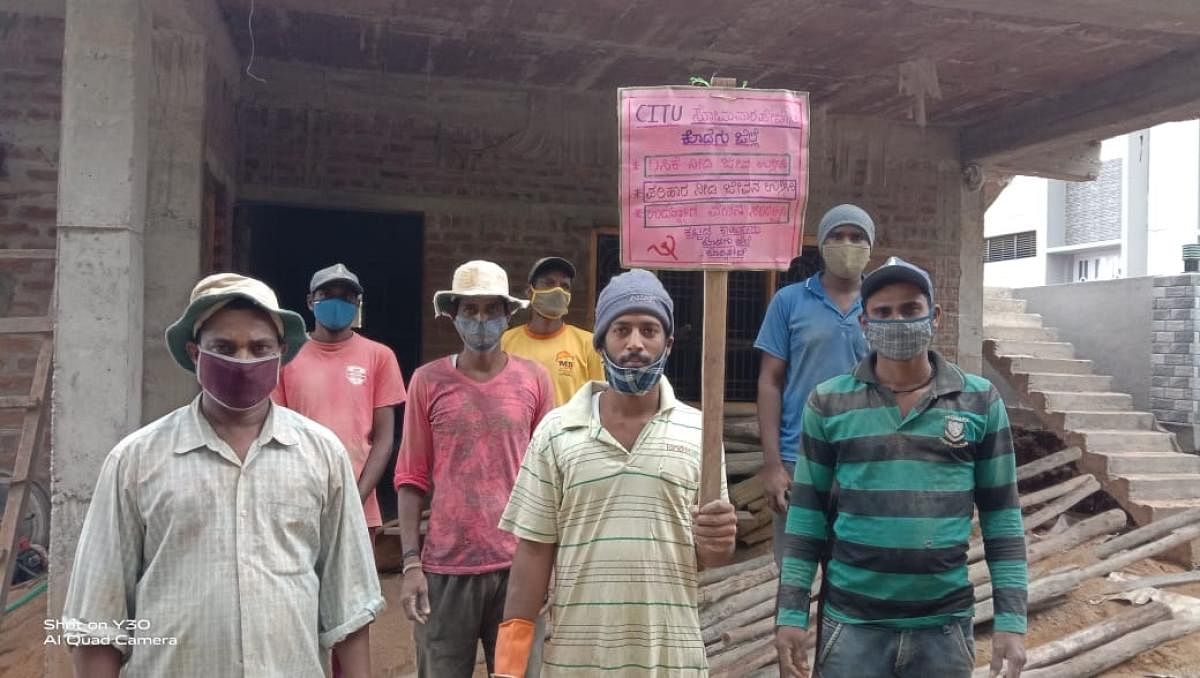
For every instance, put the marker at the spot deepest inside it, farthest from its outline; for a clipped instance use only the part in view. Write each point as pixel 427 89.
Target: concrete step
pixel 1036 349
pixel 1002 305
pixel 1083 420
pixel 1039 381
pixel 1062 401
pixel 1149 463
pixel 1025 365
pixel 1159 509
pixel 997 293
pixel 1012 319
pixel 1160 486
pixel 1109 440
pixel 1001 332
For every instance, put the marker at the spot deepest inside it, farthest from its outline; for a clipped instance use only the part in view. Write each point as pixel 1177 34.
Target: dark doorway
pixel 288 244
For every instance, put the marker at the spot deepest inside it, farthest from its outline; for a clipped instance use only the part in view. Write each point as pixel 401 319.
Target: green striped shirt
pixel 902 492
pixel 625 564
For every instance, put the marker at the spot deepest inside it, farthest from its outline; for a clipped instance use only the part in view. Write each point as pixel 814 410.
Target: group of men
pixel 561 476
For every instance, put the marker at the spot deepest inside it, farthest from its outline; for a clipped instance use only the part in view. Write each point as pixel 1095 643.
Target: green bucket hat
pixel 218 289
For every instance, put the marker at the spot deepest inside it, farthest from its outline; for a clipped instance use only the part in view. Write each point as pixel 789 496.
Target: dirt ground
pixel 1180 659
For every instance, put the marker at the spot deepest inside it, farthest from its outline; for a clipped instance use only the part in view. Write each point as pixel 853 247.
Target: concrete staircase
pixel 1138 463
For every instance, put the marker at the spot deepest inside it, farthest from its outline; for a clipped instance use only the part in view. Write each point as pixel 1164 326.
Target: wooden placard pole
pixel 712 366
pixel 712 383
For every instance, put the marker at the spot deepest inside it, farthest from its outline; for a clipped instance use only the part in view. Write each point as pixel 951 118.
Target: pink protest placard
pixel 712 178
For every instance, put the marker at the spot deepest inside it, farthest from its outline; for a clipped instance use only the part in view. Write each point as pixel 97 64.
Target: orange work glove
pixel 513 645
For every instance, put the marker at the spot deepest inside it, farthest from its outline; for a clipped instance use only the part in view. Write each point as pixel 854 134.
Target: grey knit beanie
pixel 846 214
pixel 637 291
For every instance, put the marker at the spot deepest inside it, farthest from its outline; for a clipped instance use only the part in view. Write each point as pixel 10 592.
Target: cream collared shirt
pixel 194 563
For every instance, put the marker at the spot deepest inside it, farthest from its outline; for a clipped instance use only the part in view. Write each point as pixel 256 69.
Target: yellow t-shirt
pixel 568 355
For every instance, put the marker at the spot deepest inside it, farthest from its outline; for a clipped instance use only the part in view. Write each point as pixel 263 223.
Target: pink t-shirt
pixel 464 441
pixel 340 385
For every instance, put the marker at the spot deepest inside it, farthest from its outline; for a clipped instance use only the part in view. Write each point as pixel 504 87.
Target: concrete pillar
pixel 1135 206
pixel 176 183
pixel 101 215
pixel 970 283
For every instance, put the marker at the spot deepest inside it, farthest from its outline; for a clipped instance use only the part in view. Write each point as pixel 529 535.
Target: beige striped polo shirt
pixel 625 597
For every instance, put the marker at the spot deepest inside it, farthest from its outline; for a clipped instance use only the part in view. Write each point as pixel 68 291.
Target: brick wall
pixel 30 104
pixel 1175 356
pixel 1093 208
pixel 510 174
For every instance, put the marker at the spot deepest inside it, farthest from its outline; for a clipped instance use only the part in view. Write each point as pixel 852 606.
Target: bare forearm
pixel 528 580
pixel 383 426
pixel 354 654
pixel 377 461
pixel 770 411
pixel 96 662
pixel 408 507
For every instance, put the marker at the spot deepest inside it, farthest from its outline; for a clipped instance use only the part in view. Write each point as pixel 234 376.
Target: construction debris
pixel 737 601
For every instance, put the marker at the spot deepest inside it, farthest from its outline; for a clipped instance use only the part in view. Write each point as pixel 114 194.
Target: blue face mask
pixel 481 336
pixel 335 314
pixel 637 380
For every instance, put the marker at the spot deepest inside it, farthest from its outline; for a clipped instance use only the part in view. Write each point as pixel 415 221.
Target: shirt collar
pixel 947 377
pixel 817 288
pixel 577 412
pixel 195 431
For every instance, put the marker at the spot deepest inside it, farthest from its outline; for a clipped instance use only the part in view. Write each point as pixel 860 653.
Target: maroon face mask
pixel 237 384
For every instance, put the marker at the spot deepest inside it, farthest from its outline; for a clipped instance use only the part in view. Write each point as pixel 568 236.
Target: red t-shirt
pixel 340 385
pixel 465 440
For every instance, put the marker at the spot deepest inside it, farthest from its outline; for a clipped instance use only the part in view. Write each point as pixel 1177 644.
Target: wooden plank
pixel 1161 581
pixel 25 325
pixel 712 384
pixel 23 255
pixel 1098 660
pixel 1090 637
pixel 1148 532
pixel 18 402
pixel 32 431
pixel 1053 461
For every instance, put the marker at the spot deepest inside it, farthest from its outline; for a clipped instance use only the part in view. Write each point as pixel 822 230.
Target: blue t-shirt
pixel 807 330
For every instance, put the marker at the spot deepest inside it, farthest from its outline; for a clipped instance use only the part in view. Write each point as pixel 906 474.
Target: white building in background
pixel 1132 220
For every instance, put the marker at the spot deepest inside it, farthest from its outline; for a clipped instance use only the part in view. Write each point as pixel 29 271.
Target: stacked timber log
pixel 743 459
pixel 743 447
pixel 737 615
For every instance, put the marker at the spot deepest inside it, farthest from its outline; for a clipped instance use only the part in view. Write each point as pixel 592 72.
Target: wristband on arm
pixel 514 643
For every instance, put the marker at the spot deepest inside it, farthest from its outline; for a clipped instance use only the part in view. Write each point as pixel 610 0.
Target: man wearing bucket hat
pixel 608 496
pixel 345 381
pixel 810 333
pixel 229 533
pixel 467 424
pixel 563 349
pixel 895 456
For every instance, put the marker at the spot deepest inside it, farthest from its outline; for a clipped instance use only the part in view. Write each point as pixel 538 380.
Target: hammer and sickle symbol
pixel 666 248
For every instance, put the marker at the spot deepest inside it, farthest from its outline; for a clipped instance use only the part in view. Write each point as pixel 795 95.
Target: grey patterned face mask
pixel 900 339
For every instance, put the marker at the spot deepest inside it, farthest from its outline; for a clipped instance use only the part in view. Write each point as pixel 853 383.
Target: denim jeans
pixel 860 651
